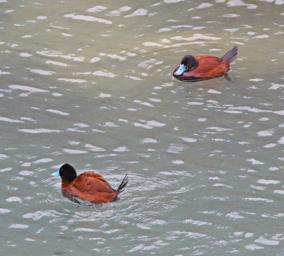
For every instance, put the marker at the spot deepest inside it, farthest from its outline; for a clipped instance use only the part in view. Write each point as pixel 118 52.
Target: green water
pixel 89 83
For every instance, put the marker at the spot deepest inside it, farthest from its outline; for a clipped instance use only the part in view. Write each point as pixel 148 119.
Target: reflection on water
pixel 90 84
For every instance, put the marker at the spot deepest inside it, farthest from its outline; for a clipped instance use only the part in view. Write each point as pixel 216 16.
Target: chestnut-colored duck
pixel 198 68
pixel 88 186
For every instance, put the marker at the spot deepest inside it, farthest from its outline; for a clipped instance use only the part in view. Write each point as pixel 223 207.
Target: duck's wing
pixel 207 64
pixel 92 183
pixel 209 67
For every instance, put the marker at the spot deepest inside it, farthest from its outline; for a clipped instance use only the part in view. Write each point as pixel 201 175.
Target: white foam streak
pixel 39 131
pixel 26 88
pixel 10 120
pixel 87 18
pixel 104 74
pixel 58 54
pixel 97 8
pixel 74 151
pixel 58 112
pixel 41 72
pixel 72 80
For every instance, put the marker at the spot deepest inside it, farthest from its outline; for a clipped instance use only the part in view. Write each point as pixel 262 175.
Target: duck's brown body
pixel 88 186
pixel 208 67
pixel 204 67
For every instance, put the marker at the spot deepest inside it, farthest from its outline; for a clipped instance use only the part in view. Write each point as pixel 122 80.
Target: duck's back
pixel 209 67
pixel 92 183
pixel 90 186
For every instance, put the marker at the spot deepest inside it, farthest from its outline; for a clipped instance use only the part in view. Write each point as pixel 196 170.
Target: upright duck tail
pixel 122 185
pixel 231 55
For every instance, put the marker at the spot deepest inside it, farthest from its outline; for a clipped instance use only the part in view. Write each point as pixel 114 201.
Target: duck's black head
pixel 188 62
pixel 66 172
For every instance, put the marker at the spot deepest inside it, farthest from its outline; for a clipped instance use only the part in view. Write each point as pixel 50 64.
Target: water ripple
pixel 92 86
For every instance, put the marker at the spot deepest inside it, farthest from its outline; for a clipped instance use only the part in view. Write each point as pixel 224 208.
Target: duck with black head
pixel 198 68
pixel 89 186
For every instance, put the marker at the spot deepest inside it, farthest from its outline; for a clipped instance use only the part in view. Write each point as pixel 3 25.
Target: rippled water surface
pixel 89 83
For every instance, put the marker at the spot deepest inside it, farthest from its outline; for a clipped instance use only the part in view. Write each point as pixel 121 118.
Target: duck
pixel 198 68
pixel 87 187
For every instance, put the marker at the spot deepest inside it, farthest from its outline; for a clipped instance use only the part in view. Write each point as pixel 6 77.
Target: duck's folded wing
pixel 92 183
pixel 209 66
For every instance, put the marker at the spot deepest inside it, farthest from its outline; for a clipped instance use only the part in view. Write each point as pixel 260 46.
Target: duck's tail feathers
pixel 122 185
pixel 231 55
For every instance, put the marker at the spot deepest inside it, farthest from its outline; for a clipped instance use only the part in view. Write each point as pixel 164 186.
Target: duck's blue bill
pixel 181 69
pixel 56 174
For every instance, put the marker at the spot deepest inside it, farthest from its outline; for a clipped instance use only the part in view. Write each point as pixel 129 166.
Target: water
pixel 89 83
